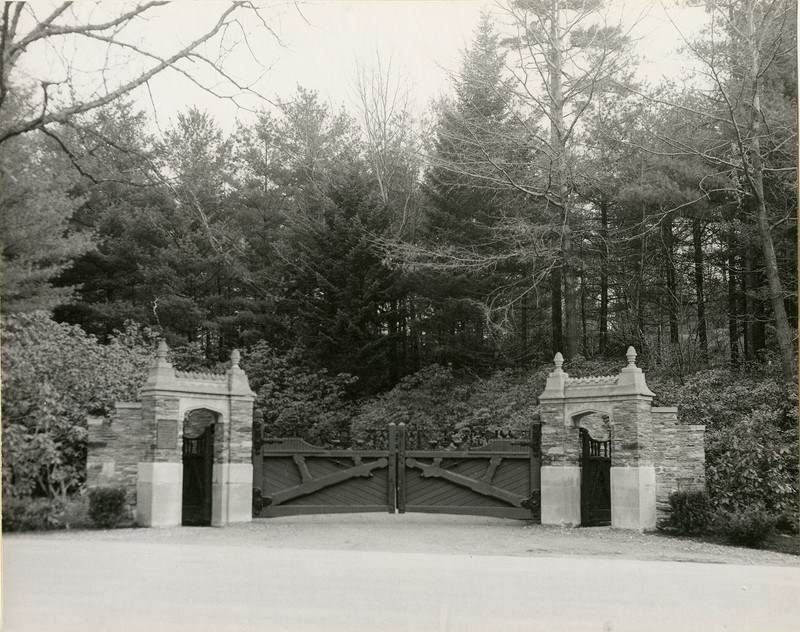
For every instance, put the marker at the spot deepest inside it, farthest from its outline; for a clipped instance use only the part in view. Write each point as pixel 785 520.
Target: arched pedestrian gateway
pixel 184 450
pixel 649 453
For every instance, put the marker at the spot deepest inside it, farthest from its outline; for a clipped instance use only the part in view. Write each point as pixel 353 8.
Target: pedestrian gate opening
pixel 198 462
pixel 595 462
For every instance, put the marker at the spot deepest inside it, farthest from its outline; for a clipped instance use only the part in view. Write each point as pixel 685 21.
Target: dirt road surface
pixel 382 572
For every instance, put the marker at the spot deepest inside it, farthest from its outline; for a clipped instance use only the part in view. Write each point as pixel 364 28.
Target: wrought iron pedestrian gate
pixel 500 479
pixel 198 463
pixel 595 480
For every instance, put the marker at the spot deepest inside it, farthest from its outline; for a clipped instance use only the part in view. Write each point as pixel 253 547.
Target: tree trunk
pixel 748 304
pixel 524 326
pixel 783 331
pixel 414 330
pixel 559 179
pixel 733 303
pixel 394 373
pixel 758 332
pixel 603 343
pixel 583 313
pixel 672 285
pixel 699 288
pixel 555 311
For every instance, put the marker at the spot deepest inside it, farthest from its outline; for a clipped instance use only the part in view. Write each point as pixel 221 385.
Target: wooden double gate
pixel 499 479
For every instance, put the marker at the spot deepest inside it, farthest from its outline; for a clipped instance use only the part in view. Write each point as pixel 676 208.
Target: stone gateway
pixel 599 452
pixel 184 451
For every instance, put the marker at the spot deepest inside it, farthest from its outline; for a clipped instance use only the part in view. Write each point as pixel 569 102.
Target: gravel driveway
pixel 442 534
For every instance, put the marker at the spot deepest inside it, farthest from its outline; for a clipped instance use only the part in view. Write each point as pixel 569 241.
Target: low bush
pixel 76 512
pixel 32 514
pixel 787 523
pixel 690 512
pixel 107 507
pixel 748 527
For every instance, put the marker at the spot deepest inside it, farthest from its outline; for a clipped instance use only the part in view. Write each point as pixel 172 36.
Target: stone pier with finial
pixel 142 447
pixel 626 402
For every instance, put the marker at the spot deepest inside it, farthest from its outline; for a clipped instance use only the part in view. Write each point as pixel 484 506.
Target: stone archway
pixel 142 447
pixel 627 401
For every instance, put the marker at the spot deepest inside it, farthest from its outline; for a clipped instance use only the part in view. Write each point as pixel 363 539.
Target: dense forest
pixel 374 264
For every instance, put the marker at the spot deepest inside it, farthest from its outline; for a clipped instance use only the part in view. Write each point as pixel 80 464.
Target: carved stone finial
pixel 631 355
pixel 235 357
pixel 558 360
pixel 162 349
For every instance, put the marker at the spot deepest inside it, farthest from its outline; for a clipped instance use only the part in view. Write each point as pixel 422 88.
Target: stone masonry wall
pixel 678 456
pixel 117 445
pixel 241 431
pixel 561 444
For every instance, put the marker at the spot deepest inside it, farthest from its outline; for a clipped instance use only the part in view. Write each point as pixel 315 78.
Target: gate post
pixel 633 475
pixel 234 476
pixel 560 472
pixel 159 481
pixel 391 492
pixel 401 467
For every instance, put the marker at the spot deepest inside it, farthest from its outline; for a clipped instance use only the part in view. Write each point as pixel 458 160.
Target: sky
pixel 320 45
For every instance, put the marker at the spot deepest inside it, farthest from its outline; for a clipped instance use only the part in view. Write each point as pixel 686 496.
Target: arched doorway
pixel 595 463
pixel 198 464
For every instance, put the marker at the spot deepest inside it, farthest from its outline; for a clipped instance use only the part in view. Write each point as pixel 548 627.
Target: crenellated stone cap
pixel 629 382
pixel 164 378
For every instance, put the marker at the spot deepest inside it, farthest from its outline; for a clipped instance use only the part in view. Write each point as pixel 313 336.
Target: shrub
pixel 54 376
pixel 447 407
pixel 76 512
pixel 748 527
pixel 690 511
pixel 107 506
pixel 787 523
pixel 297 401
pixel 751 437
pixel 32 514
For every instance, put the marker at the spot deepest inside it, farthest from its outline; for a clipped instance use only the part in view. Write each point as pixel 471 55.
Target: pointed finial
pixel 162 349
pixel 235 357
pixel 558 360
pixel 631 355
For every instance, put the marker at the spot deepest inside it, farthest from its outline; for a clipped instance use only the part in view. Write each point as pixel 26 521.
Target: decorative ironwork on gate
pixel 198 458
pixel 595 462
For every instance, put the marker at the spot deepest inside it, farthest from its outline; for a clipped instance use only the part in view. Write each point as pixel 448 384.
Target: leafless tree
pixel 30 103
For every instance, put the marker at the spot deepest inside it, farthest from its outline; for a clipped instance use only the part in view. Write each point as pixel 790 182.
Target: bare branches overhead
pixel 29 102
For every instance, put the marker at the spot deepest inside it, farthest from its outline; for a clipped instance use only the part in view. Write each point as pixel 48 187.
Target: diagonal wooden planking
pixel 482 487
pixel 317 484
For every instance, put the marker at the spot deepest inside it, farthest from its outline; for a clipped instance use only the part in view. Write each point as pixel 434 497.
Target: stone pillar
pixel 560 472
pixel 633 476
pixel 233 478
pixel 159 482
pixel 159 494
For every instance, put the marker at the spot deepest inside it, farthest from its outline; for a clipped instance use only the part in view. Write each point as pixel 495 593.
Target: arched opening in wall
pixel 199 427
pixel 594 431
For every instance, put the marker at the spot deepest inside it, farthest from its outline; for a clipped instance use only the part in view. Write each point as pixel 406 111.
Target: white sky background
pixel 324 42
